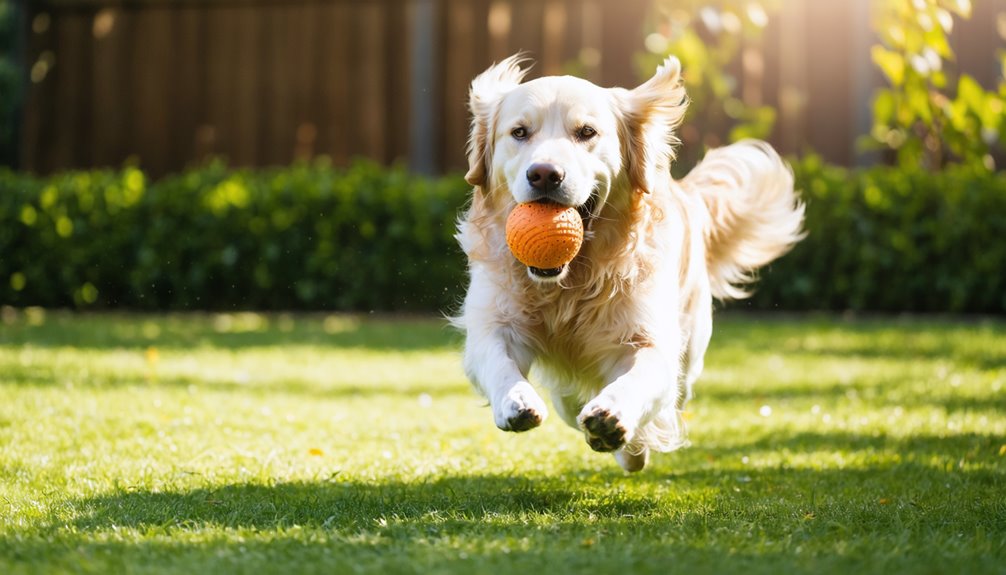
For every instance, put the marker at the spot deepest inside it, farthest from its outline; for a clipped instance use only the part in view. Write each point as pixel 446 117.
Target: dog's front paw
pixel 604 424
pixel 520 409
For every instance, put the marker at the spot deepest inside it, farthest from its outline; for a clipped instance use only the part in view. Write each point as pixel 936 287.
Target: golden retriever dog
pixel 617 336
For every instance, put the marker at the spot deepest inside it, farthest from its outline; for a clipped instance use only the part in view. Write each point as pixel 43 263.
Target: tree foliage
pixel 929 115
pixel 708 39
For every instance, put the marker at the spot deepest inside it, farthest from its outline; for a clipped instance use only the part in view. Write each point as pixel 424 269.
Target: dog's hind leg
pixel 632 458
pixel 698 342
pixel 568 407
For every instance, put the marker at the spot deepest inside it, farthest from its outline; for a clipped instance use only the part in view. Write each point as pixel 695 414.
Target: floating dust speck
pixel 425 400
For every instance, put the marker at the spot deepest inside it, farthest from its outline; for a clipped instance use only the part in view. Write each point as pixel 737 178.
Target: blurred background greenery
pixel 244 154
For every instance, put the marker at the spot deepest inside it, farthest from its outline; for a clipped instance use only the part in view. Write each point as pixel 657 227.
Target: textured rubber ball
pixel 544 235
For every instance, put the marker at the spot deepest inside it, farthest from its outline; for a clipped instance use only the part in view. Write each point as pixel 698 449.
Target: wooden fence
pixel 171 83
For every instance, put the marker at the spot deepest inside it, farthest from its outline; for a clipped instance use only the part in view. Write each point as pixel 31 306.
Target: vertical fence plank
pixel 554 31
pixel 828 117
pixel 71 82
pixel 279 88
pixel 499 24
pixel 110 109
pixel 397 73
pixel 592 46
pixel 622 33
pixel 334 116
pixel 572 35
pixel 150 118
pixel 460 30
pixel 425 131
pixel 976 41
pixel 245 82
pixel 219 36
pixel 369 81
pixel 771 59
pixel 301 59
pixel 188 60
pixel 526 33
pixel 865 80
pixel 792 79
pixel 28 138
pixel 81 88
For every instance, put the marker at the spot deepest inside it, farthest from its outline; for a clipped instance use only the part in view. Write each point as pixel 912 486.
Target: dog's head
pixel 568 141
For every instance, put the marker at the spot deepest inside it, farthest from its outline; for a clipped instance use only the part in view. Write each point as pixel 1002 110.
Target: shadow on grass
pixel 505 502
pixel 699 519
pixel 978 342
pixel 230 331
pixel 875 392
pixel 322 390
pixel 949 451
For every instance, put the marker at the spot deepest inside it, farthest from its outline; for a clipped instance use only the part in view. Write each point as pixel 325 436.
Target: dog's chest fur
pixel 583 330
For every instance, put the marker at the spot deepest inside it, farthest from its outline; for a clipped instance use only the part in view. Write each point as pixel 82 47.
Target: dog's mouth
pixel 546 274
pixel 587 211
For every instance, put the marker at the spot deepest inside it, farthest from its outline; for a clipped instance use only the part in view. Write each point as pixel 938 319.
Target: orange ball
pixel 544 235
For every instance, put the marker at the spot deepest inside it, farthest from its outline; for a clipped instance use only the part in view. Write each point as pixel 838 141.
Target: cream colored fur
pixel 618 338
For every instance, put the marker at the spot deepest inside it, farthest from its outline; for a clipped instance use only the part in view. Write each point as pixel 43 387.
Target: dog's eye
pixel 519 133
pixel 585 133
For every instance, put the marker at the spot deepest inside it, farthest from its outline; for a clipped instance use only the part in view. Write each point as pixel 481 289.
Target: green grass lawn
pixel 314 444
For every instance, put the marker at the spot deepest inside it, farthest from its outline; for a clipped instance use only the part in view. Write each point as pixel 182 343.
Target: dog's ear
pixel 650 114
pixel 486 91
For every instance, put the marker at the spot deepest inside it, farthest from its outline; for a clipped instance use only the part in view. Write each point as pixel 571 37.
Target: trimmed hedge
pixel 307 237
pixel 372 238
pixel 884 239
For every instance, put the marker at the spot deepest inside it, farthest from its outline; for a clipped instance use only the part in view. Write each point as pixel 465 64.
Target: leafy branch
pixel 916 116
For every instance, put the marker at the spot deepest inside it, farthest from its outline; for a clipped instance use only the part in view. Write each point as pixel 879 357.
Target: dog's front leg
pixel 496 362
pixel 646 382
pixel 498 371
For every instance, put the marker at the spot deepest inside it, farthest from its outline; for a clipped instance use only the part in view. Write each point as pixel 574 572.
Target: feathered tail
pixel 754 213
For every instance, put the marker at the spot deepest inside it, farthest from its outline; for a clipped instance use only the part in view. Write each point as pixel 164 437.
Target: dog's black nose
pixel 545 177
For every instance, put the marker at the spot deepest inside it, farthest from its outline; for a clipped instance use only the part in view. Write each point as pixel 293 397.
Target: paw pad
pixel 604 431
pixel 525 419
